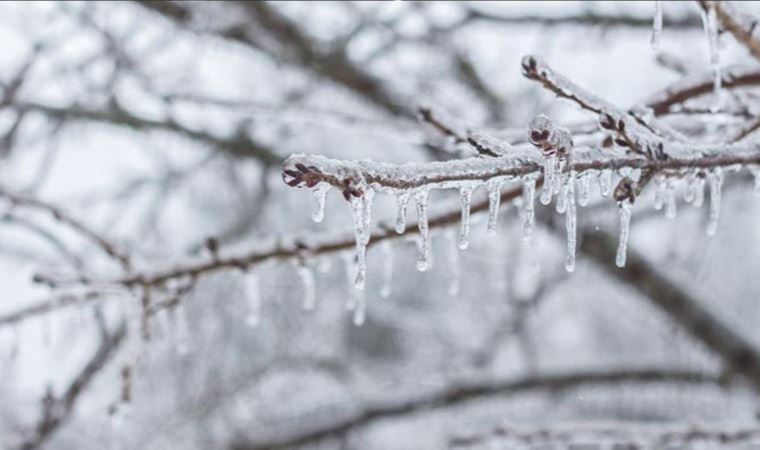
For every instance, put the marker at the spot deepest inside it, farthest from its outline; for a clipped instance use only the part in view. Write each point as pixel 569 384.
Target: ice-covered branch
pixel 618 435
pixel 693 86
pixel 111 249
pixel 456 395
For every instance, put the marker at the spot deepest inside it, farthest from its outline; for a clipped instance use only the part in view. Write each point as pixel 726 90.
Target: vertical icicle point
pixel 529 209
pixel 494 200
pixel 456 270
pixel 605 182
pixel 465 194
pixel 362 207
pixel 306 274
pixel 570 223
pixel 387 286
pixel 423 259
pixel 320 195
pixel 402 200
pixel 584 188
pixel 253 299
pixel 625 225
pixel 715 178
pixel 550 163
pixel 670 200
pixel 659 193
pixel 657 25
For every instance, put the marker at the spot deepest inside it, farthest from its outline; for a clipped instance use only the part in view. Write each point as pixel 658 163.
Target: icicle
pixel 494 198
pixel 362 207
pixel 561 205
pixel 320 194
pixel 670 200
pixel 529 212
pixel 360 311
pixel 456 270
pixel 306 274
pixel 755 170
pixel 657 25
pixel 253 297
pixel 549 166
pixel 710 24
pixel 401 200
pixel 605 183
pixel 423 260
pixel 584 189
pixel 465 194
pixel 699 192
pixel 558 179
pixel 181 331
pixel 387 249
pixel 625 224
pixel 659 193
pixel 715 177
pixel 570 222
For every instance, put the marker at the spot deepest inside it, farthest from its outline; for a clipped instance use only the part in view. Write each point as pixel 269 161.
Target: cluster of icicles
pixel 569 187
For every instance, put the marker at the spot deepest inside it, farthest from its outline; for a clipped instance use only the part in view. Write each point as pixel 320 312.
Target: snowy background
pixel 160 125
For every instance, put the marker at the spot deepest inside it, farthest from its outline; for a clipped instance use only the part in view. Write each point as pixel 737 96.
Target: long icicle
pixel 625 225
pixel 423 259
pixel 570 222
pixel 529 208
pixel 465 193
pixel 494 200
pixel 715 177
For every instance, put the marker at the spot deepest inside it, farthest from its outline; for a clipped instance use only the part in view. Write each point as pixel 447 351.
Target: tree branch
pixel 457 395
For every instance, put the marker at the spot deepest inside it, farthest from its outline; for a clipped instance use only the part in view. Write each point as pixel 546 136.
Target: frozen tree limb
pixel 738 354
pixel 57 410
pixel 111 249
pixel 456 395
pixel 619 435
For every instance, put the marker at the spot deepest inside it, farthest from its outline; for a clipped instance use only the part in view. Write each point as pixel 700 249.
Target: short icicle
pixel 306 274
pixel 402 200
pixel 320 195
pixel 605 182
pixel 494 200
pixel 755 170
pixel 253 299
pixel 670 200
pixel 584 188
pixel 715 178
pixel 570 222
pixel 625 225
pixel 423 259
pixel 550 163
pixel 659 193
pixel 465 194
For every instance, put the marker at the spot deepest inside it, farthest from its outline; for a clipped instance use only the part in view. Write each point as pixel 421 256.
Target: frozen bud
pixel 540 131
pixel 627 189
pixel 562 140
